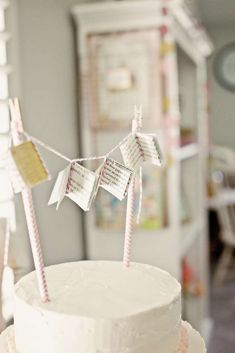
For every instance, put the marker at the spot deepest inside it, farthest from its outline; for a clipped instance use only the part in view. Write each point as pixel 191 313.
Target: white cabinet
pixel 142 52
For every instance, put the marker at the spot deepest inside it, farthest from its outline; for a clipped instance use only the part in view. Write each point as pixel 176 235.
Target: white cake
pixel 101 307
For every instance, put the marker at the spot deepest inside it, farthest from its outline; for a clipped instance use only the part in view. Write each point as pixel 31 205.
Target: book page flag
pixel 29 164
pixel 140 148
pixel 60 187
pixel 151 148
pixel 76 182
pixel 82 186
pixel 131 152
pixel 115 178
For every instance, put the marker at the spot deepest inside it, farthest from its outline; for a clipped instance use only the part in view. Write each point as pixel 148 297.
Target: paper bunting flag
pixel 81 184
pixel 115 178
pixel 25 166
pixel 76 182
pixel 29 164
pixel 166 48
pixel 60 187
pixel 140 148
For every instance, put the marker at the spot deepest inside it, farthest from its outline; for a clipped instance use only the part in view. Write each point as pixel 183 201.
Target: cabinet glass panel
pixel 187 76
pixel 110 212
pixel 190 189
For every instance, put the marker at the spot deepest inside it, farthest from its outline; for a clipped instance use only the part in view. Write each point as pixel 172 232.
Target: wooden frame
pixel 116 81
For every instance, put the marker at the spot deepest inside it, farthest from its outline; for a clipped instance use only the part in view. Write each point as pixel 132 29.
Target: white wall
pixel 43 55
pixel 222 101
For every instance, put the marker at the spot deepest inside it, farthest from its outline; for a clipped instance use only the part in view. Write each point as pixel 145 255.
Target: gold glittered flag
pixel 166 48
pixel 166 104
pixel 29 163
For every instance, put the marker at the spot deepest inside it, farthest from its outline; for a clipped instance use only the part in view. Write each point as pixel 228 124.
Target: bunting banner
pixel 26 168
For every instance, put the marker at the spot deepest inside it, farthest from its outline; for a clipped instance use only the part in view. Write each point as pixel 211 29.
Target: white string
pixel 87 159
pixel 51 149
pixel 47 147
pixel 120 143
pixel 105 155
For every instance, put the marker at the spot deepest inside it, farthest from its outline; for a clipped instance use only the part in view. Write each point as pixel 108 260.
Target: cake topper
pixel 26 169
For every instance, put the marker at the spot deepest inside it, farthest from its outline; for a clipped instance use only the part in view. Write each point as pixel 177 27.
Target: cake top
pixel 101 289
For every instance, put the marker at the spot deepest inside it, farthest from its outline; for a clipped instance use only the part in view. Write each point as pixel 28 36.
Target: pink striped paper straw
pixel 136 124
pixel 17 130
pixel 129 223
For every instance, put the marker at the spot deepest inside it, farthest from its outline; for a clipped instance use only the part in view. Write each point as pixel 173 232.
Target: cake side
pixel 191 343
pixel 99 306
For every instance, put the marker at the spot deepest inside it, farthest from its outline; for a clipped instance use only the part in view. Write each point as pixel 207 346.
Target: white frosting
pixel 99 307
pixel 195 341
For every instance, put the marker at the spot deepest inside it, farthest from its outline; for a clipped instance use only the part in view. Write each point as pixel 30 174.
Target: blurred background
pixel 78 68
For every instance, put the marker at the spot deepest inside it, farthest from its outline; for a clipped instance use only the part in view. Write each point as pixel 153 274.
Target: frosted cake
pixel 100 307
